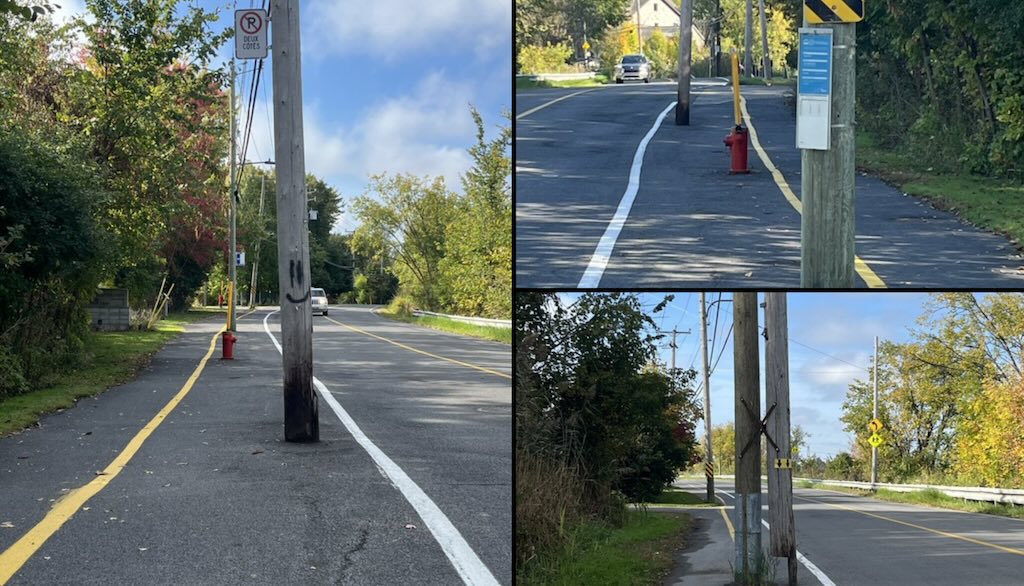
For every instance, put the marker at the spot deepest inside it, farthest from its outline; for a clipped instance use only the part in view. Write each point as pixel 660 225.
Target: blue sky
pixel 386 85
pixel 841 325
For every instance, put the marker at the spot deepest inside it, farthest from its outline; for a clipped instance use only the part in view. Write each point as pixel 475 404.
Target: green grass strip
pixel 523 83
pixel 991 204
pixel 680 497
pixel 638 553
pixel 443 324
pixel 114 358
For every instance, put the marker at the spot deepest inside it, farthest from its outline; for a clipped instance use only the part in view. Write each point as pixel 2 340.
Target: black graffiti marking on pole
pixel 254 22
pixel 295 274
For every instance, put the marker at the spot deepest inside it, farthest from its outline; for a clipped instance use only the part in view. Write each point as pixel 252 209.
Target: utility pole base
pixel 301 418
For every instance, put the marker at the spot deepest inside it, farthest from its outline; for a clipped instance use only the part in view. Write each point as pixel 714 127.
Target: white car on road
pixel 633 67
pixel 319 297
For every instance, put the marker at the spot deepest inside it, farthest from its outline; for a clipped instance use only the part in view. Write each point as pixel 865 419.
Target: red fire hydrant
pixel 737 143
pixel 228 340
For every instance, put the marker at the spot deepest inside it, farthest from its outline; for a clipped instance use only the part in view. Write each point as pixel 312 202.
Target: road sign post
pixel 827 175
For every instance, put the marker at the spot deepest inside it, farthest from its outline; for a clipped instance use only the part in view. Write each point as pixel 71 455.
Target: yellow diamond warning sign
pixel 875 425
pixel 822 11
pixel 875 440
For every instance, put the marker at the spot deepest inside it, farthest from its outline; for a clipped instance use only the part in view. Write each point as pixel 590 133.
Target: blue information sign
pixel 815 64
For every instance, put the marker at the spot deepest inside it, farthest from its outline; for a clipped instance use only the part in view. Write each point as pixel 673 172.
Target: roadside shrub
pixel 548 505
pixel 547 59
pixel 402 305
pixel 12 381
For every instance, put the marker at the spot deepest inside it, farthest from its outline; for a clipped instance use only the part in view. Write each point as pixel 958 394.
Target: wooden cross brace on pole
pixel 764 427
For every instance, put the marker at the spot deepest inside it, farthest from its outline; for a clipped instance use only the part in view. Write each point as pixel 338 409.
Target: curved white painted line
pixel 824 579
pixel 599 261
pixel 472 571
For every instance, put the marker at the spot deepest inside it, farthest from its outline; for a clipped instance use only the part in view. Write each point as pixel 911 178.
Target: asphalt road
pixel 862 541
pixel 692 224
pixel 215 496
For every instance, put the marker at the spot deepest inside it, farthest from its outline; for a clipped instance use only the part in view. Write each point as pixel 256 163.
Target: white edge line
pixel 824 579
pixel 599 261
pixel 470 568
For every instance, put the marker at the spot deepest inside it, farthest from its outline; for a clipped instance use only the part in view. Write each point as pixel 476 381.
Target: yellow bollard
pixel 231 306
pixel 736 86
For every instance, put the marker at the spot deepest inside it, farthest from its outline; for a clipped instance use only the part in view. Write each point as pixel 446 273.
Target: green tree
pixel 408 219
pixel 990 446
pixel 588 399
pixel 477 265
pixel 154 114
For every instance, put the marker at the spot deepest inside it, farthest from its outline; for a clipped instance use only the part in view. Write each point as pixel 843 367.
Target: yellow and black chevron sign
pixel 822 11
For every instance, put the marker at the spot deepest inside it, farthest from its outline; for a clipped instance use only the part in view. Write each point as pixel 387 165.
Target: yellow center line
pixel 870 277
pixel 17 554
pixel 418 351
pixel 554 101
pixel 728 523
pixel 921 527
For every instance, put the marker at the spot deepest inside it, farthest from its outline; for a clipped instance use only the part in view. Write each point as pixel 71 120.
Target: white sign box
pixel 814 90
pixel 251 33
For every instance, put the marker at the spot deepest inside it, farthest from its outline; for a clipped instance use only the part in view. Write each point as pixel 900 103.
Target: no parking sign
pixel 251 33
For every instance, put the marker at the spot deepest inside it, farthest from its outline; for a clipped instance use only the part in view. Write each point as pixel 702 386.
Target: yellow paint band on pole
pixel 231 305
pixel 736 86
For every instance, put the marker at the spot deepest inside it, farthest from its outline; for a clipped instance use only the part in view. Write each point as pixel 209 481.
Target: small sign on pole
pixel 251 33
pixel 239 259
pixel 875 425
pixel 875 440
pixel 819 11
pixel 814 95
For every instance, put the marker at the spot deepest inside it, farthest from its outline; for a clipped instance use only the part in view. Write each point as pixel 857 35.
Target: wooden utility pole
pixel 301 421
pixel 639 34
pixel 709 462
pixel 766 60
pixel 232 209
pixel 827 179
pixel 717 47
pixel 685 42
pixel 780 471
pixel 874 415
pixel 256 260
pixel 748 431
pixel 673 346
pixel 748 41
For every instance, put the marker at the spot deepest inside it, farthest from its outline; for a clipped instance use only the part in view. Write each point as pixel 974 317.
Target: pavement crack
pixel 346 559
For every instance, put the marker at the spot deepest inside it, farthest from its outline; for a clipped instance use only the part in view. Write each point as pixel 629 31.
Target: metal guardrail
pixel 480 321
pixel 558 76
pixel 1005 496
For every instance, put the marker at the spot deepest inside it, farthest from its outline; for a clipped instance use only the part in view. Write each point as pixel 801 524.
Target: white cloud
pixel 390 27
pixel 424 133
